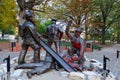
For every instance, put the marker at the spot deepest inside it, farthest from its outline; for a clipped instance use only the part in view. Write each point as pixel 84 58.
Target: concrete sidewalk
pixel 110 52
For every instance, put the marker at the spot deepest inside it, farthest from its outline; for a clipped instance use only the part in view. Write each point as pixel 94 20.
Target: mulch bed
pixel 4 46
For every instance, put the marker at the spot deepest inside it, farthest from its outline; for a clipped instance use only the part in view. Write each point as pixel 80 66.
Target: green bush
pixel 96 47
pixel 41 27
pixel 65 43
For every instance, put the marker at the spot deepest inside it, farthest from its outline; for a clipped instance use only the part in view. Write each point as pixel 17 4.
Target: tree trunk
pixel 118 37
pixel 21 4
pixel 103 35
pixel 21 21
pixel 118 33
pixel 3 34
pixel 86 32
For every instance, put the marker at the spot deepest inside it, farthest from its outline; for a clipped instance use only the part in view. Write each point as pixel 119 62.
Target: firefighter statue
pixel 31 39
pixel 76 52
pixel 54 35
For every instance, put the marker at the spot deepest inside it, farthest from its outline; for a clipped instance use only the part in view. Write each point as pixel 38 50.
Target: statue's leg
pixel 29 65
pixel 37 55
pixel 41 69
pixel 69 51
pixel 22 55
pixel 36 49
pixel 55 64
pixel 50 42
pixel 57 47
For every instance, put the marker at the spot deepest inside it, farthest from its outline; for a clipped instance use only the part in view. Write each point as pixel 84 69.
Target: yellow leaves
pixel 8 11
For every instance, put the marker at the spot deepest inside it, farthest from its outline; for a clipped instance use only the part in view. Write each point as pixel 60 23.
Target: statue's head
pixel 78 31
pixel 53 20
pixel 28 15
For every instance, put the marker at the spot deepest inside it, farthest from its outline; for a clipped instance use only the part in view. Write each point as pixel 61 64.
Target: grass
pixel 96 47
pixel 65 44
pixel 4 40
pixel 68 44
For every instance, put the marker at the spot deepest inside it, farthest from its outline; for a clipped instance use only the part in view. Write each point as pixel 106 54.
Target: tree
pixel 76 10
pixel 116 31
pixel 103 13
pixel 8 13
pixel 107 13
pixel 34 5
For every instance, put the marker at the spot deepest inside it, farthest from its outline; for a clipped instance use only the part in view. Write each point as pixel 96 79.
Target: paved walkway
pixel 110 52
pixel 4 54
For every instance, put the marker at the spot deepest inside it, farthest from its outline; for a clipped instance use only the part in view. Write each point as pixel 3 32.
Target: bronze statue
pixel 37 68
pixel 30 38
pixel 76 52
pixel 54 35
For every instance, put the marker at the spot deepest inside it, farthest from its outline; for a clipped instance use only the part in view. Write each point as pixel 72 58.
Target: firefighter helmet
pixel 78 30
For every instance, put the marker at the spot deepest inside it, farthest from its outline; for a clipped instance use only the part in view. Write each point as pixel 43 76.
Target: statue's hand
pixel 44 36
